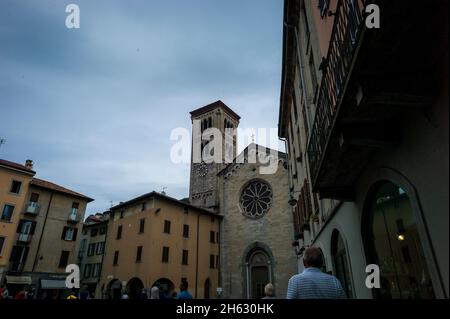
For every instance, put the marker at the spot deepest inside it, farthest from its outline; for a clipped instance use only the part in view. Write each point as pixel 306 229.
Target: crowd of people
pixel 312 283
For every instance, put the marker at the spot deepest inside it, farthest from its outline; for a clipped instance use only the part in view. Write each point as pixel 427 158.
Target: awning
pixel 53 284
pixel 18 280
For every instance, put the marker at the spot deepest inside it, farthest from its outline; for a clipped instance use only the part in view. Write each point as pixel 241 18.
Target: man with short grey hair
pixel 312 283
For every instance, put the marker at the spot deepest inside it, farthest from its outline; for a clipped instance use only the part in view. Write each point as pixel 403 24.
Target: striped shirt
pixel 312 283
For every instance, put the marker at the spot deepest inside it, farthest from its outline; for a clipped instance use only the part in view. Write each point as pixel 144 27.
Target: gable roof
pixel 16 166
pixel 243 155
pixel 167 198
pixel 214 105
pixel 57 188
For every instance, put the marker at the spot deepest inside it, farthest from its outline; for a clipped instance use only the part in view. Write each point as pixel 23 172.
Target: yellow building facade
pixel 156 240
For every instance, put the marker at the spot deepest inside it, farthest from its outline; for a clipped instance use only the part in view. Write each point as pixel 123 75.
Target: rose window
pixel 256 199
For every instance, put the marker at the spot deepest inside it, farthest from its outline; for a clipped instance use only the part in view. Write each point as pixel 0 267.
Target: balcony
pixel 24 238
pixel 73 217
pixel 32 209
pixel 370 79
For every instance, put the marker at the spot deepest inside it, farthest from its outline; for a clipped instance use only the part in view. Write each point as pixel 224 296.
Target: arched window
pixel 341 262
pixel 394 244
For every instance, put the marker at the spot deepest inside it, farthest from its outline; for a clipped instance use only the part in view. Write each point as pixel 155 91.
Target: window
pixel 165 255
pixel 34 198
pixel 100 248
pixel 217 237
pixel 167 226
pixel 116 258
pixel 312 69
pixel 69 234
pixel 119 232
pixel 294 106
pixel 91 249
pixel 122 213
pixel 212 236
pixel 96 269
pixel 144 206
pixel 87 270
pixel 2 242
pixel 64 259
pixel 256 199
pixel 7 212
pixel 75 207
pixel 94 232
pixel 212 259
pixel 306 25
pixel 102 230
pixel 15 187
pixel 26 227
pixel 186 231
pixel 213 219
pixel 186 210
pixel 217 261
pixel 139 254
pixel 392 241
pixel 323 7
pixel 184 258
pixel 141 226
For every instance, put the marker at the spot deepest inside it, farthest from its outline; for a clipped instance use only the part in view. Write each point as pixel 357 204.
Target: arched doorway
pixel 114 289
pixel 134 288
pixel 341 262
pixel 259 273
pixel 207 289
pixel 166 287
pixel 392 241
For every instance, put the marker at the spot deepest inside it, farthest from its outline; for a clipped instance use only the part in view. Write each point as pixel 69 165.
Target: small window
pixel 217 261
pixel 69 234
pixel 91 249
pixel 167 226
pixel 64 259
pixel 212 259
pixel 15 187
pixel 139 254
pixel 141 226
pixel 323 7
pixel 94 232
pixel 87 270
pixel 122 213
pixel 100 249
pixel 186 231
pixel 186 210
pixel 119 232
pixel 116 258
pixel 212 236
pixel 7 212
pixel 165 255
pixel 217 237
pixel 34 198
pixel 144 206
pixel 213 219
pixel 102 230
pixel 184 258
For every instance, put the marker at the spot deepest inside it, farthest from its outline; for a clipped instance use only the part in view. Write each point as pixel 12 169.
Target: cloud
pixel 94 107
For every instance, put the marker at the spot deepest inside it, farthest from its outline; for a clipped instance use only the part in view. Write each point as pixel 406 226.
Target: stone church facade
pixel 257 227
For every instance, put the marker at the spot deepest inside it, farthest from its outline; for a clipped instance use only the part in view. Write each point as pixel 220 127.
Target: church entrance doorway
pixel 259 273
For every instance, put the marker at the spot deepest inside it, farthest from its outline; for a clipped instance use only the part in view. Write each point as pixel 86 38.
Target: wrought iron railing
pixel 345 36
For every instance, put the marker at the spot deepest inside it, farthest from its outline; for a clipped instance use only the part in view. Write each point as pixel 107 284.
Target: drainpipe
pixel 42 233
pixel 196 263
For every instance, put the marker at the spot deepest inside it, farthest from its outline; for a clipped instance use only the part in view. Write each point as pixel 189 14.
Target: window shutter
pixel 63 236
pixel 19 226
pixel 33 228
pixel 75 231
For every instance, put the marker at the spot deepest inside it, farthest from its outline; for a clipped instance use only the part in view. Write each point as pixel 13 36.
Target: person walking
pixel 312 283
pixel 269 292
pixel 184 293
pixel 154 293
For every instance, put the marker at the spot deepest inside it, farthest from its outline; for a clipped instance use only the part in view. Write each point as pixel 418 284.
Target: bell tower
pixel 214 145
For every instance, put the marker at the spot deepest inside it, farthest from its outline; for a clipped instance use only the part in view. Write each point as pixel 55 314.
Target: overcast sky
pixel 94 107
